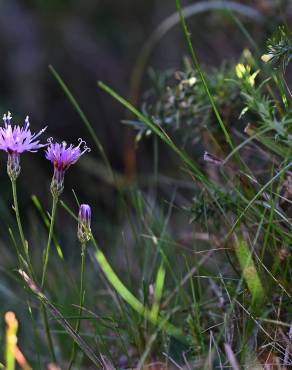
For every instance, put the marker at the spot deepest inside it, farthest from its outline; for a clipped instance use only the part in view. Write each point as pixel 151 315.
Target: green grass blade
pixel 123 291
pixel 250 273
pixel 159 284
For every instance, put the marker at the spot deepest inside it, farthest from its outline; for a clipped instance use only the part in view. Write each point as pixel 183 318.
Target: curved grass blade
pixel 250 274
pixel 123 291
pixel 159 284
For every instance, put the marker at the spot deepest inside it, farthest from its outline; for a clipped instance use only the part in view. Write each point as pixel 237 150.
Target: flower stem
pixel 46 260
pixel 48 248
pixel 19 225
pixel 13 182
pixel 48 333
pixel 24 245
pixel 81 302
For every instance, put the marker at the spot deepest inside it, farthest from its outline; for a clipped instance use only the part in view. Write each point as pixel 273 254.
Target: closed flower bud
pixel 267 57
pixel 84 222
pixel 13 165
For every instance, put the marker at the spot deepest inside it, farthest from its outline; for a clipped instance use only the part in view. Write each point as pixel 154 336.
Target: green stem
pixel 48 248
pixel 46 260
pixel 25 248
pixel 19 225
pixel 81 302
pixel 48 333
pixel 16 209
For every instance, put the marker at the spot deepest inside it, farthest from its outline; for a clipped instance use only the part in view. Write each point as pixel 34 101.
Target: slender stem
pixel 48 333
pixel 16 209
pixel 81 302
pixel 46 260
pixel 19 225
pixel 25 248
pixel 48 248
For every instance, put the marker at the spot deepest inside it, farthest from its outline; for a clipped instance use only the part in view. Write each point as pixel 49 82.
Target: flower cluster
pixel 244 73
pixel 16 140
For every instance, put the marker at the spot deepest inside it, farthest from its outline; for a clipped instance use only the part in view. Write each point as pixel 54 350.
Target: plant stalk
pixel 48 333
pixel 81 302
pixel 19 225
pixel 48 247
pixel 46 260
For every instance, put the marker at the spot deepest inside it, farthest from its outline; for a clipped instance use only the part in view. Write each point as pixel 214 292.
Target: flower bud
pixel 13 165
pixel 84 222
pixel 57 183
pixel 267 57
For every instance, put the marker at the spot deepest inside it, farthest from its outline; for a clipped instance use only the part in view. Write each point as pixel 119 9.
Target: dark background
pixel 87 41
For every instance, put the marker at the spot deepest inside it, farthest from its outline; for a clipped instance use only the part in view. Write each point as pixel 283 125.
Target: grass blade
pixel 250 274
pixel 159 284
pixel 123 291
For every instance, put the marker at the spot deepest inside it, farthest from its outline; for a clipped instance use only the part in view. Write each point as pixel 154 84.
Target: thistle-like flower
pixel 16 140
pixel 84 222
pixel 62 158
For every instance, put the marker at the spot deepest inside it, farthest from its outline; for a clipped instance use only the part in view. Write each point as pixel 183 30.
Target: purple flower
pixel 62 158
pixel 84 222
pixel 16 140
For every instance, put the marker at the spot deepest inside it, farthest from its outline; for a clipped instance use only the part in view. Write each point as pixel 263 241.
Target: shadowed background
pixel 87 41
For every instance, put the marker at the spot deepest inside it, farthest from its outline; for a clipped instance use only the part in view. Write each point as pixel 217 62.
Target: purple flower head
pixel 16 140
pixel 84 222
pixel 62 157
